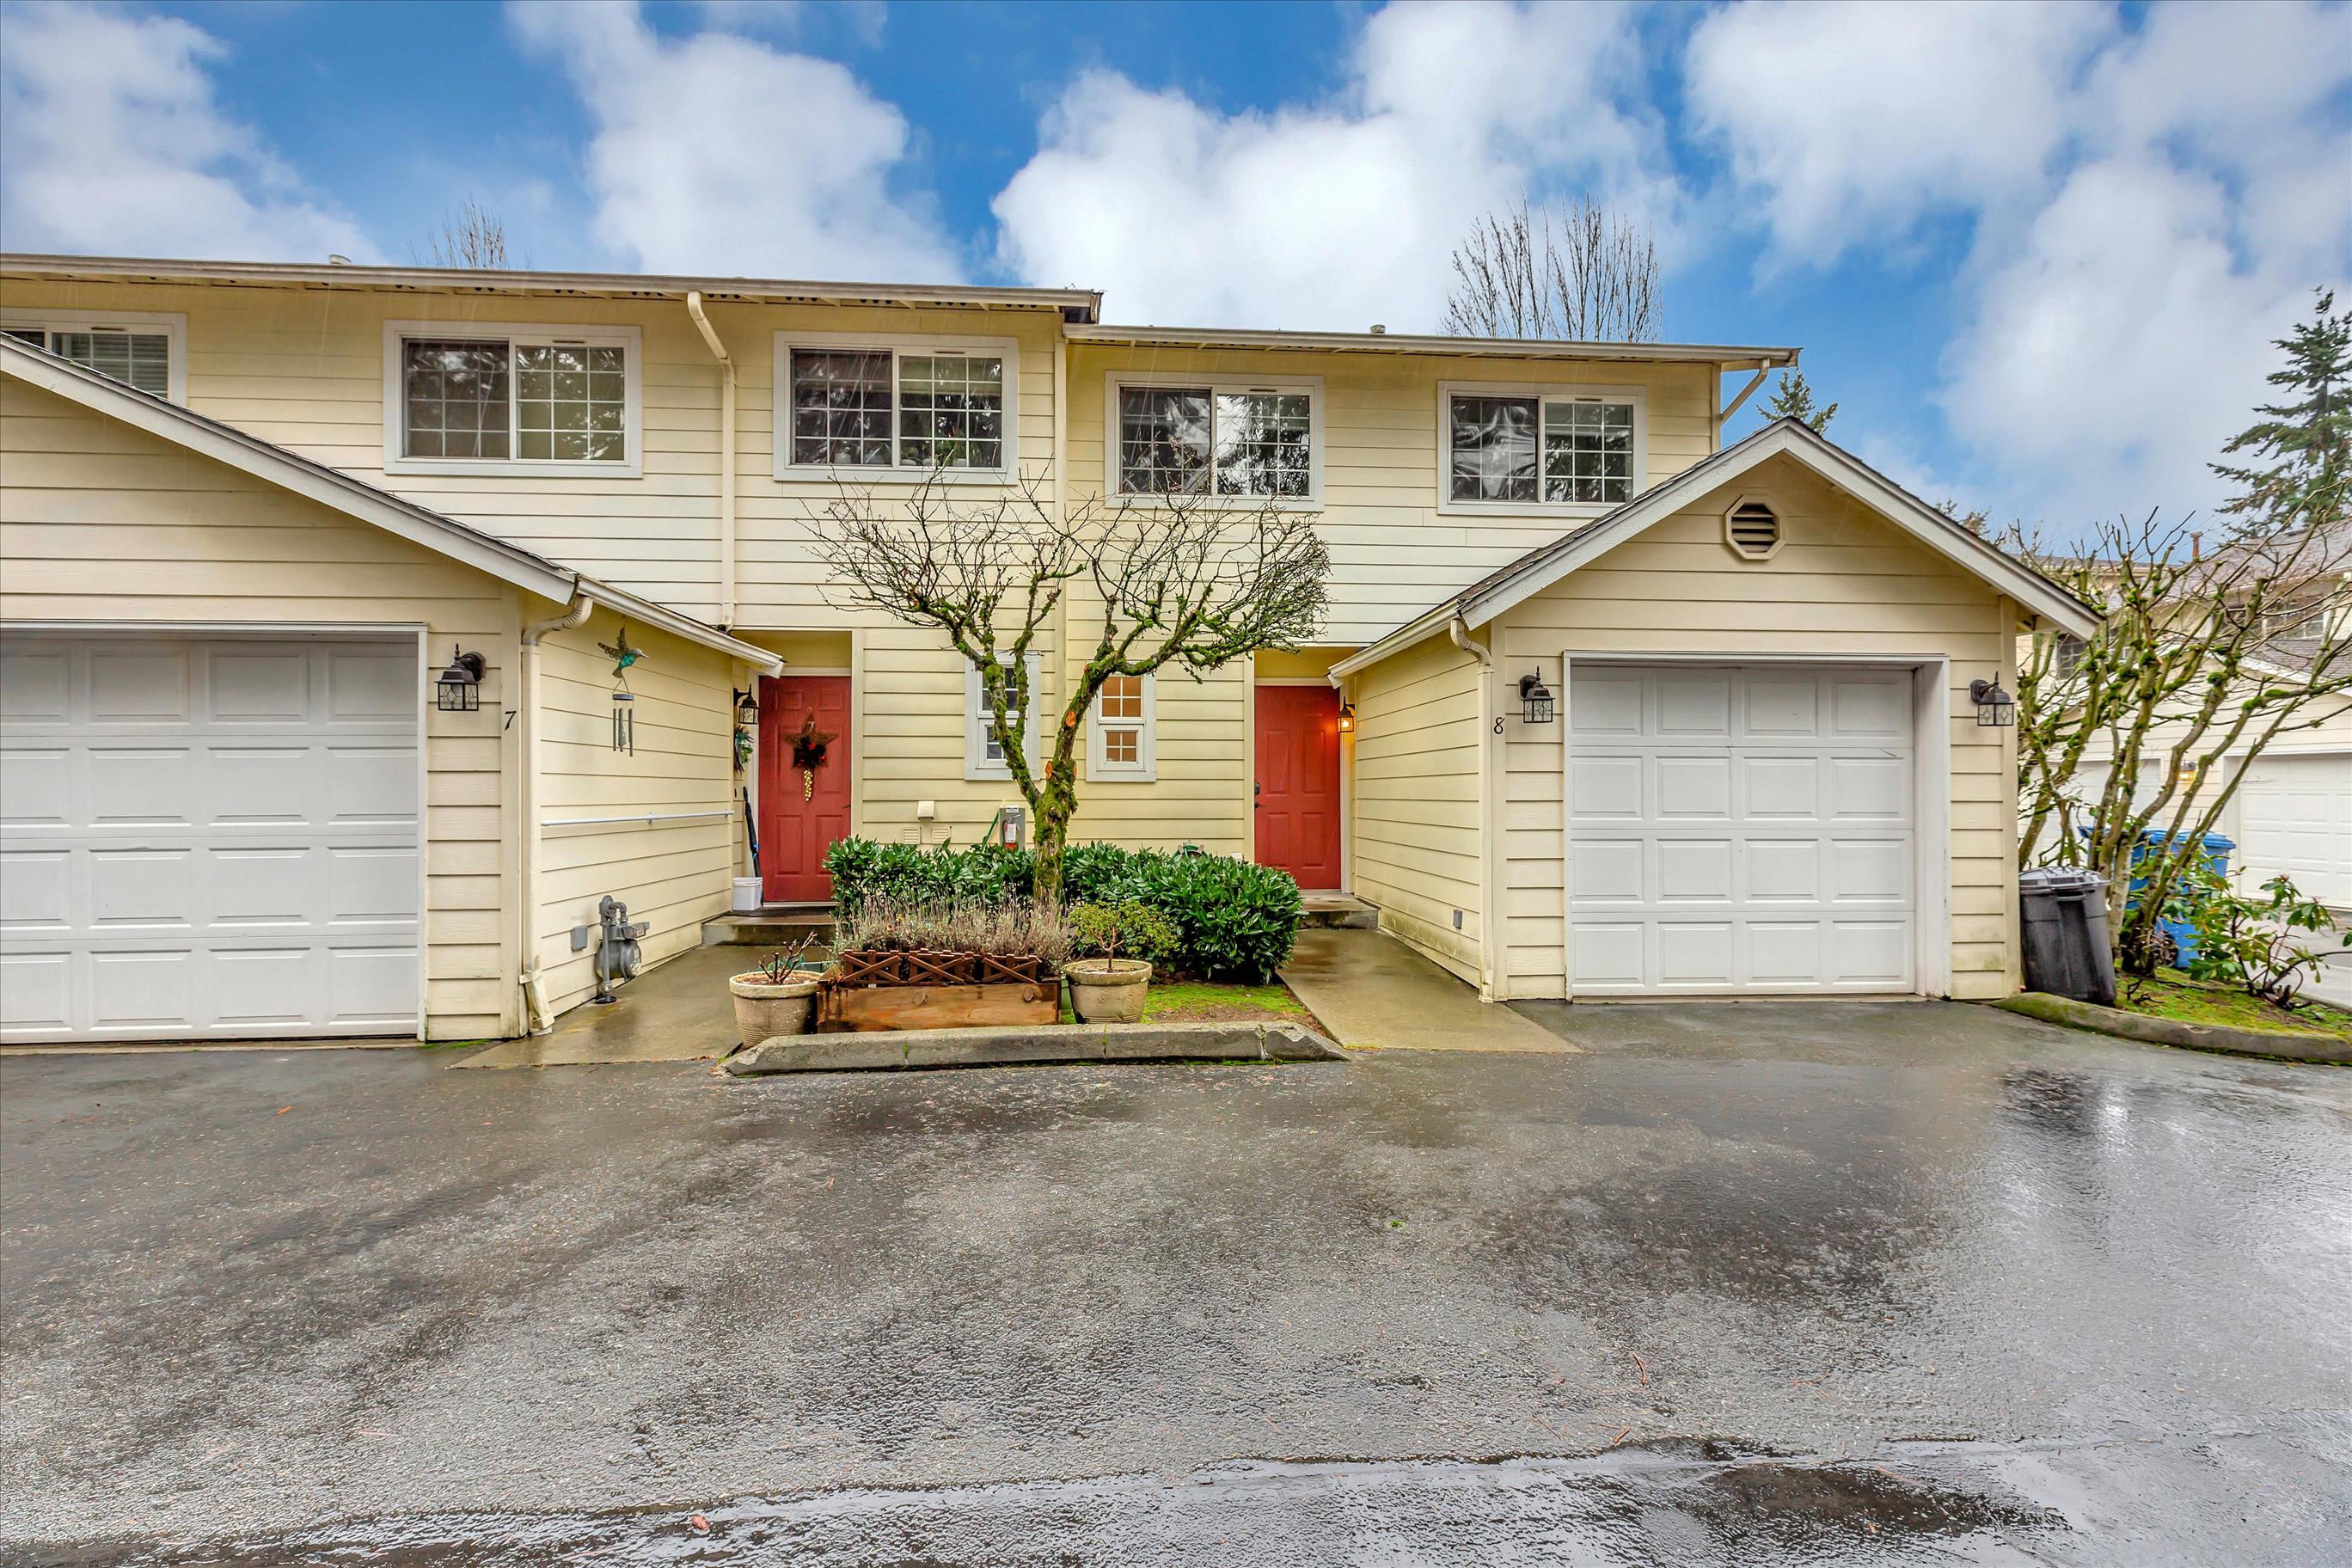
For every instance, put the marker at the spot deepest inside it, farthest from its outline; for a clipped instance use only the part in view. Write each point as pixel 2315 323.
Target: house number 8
pixel 1498 726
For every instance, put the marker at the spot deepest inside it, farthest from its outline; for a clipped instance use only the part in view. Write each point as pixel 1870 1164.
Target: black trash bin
pixel 2066 950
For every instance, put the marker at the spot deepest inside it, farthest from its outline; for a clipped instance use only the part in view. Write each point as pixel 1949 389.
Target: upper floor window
pixel 1248 441
pixel 1540 448
pixel 139 350
pixel 895 408
pixel 501 399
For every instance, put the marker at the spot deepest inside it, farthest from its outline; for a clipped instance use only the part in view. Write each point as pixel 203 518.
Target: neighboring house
pixel 248 512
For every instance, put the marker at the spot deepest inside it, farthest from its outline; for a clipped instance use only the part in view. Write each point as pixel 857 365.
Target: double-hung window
pixel 983 757
pixel 1251 442
pixel 894 409
pixel 140 351
pixel 463 398
pixel 1120 731
pixel 1540 448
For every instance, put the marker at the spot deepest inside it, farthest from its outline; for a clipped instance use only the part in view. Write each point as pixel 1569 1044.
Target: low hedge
pixel 1233 920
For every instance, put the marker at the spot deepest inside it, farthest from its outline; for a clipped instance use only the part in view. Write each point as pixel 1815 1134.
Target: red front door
pixel 803 812
pixel 1299 782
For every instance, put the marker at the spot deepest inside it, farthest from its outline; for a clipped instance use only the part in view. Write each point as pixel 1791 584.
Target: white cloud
pixel 2150 206
pixel 110 141
pixel 1341 214
pixel 718 154
pixel 1851 123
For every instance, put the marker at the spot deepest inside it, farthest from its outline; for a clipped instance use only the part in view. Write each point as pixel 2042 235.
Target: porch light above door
pixel 1996 709
pixel 1535 700
pixel 459 689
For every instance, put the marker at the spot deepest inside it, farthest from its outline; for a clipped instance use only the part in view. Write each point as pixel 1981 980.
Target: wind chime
pixel 624 715
pixel 808 754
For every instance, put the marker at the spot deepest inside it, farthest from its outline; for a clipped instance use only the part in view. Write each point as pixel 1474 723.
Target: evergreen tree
pixel 1792 398
pixel 2307 439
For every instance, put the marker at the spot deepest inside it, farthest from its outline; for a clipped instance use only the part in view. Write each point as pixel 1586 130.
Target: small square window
pixel 1119 736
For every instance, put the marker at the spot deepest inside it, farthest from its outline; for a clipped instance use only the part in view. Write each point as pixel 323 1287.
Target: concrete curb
pixel 903 1048
pixel 2173 1032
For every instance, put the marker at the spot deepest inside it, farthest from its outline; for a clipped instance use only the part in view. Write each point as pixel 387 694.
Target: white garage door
pixel 1740 830
pixel 207 837
pixel 2294 814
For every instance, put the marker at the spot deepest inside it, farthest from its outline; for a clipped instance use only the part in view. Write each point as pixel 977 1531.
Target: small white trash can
pixel 747 896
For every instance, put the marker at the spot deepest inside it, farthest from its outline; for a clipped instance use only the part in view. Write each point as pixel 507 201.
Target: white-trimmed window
pixel 139 350
pixel 896 408
pixel 982 757
pixel 1537 449
pixel 1120 731
pixel 1250 440
pixel 493 398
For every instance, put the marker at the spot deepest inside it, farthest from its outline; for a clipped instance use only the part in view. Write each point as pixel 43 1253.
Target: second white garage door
pixel 1740 830
pixel 2294 816
pixel 207 837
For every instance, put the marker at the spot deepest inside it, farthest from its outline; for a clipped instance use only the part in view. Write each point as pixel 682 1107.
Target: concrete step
pixel 1337 910
pixel 778 925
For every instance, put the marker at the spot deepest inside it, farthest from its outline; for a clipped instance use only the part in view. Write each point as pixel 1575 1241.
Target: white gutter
pixel 1724 356
pixel 1489 784
pixel 535 1019
pixel 726 458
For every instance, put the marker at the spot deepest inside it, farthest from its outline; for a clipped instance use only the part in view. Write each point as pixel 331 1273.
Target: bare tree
pixel 1189 581
pixel 470 236
pixel 1575 270
pixel 2204 658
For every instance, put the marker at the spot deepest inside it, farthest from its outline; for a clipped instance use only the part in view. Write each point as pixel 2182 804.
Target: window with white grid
pixel 141 352
pixel 984 756
pixel 473 399
pixel 1119 735
pixel 1528 449
pixel 1240 441
pixel 897 411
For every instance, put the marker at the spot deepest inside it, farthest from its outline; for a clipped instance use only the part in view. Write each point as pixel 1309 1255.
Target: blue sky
pixel 2035 252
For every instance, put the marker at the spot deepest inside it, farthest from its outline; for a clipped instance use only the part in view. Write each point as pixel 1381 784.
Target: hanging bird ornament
pixel 625 724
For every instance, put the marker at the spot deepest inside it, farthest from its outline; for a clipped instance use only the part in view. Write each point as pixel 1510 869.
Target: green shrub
pixel 1130 924
pixel 1233 920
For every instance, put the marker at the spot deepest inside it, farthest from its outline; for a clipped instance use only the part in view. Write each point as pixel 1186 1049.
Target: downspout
pixel 1490 782
pixel 536 1018
pixel 726 460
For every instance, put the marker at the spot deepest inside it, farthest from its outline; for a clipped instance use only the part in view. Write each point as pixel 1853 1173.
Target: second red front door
pixel 1299 782
pixel 804 811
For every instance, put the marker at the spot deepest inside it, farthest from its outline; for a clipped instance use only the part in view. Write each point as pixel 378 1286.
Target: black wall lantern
pixel 1996 709
pixel 1347 717
pixel 747 709
pixel 459 689
pixel 1535 700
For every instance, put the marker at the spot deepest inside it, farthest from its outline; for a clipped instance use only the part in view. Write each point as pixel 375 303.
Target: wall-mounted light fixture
pixel 1347 718
pixel 747 709
pixel 1996 709
pixel 459 689
pixel 1535 700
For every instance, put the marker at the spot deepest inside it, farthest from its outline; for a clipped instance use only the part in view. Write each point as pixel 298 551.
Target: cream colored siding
pixel 1417 832
pixel 302 367
pixel 671 873
pixel 1201 793
pixel 913 739
pixel 1394 553
pixel 102 522
pixel 1844 581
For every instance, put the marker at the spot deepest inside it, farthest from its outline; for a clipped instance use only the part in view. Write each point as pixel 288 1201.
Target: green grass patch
pixel 2188 1002
pixel 1193 1000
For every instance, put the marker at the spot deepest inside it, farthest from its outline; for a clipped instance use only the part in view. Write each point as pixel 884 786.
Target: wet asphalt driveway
pixel 1766 1283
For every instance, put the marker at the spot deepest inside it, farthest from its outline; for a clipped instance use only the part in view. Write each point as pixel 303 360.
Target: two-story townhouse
pixel 1600 708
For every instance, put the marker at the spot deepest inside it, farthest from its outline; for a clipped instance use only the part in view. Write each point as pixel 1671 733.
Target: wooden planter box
pixel 844 1008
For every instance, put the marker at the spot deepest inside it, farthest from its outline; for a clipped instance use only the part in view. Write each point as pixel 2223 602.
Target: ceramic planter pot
pixel 766 1008
pixel 1107 990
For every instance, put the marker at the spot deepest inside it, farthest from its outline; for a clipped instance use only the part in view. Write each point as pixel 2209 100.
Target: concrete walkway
pixel 679 1012
pixel 1373 991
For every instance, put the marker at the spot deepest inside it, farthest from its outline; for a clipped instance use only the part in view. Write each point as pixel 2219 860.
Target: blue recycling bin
pixel 2217 855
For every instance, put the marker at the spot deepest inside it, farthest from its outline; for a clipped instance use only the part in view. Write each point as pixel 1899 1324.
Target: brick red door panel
pixel 800 818
pixel 1299 782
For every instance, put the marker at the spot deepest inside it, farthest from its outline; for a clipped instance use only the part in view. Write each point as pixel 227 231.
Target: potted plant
pixel 1111 989
pixel 779 997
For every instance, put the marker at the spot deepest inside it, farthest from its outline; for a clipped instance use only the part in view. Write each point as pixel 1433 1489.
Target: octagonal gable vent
pixel 1752 530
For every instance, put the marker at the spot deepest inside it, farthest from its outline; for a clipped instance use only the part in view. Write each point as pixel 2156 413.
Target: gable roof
pixel 340 493
pixel 1541 567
